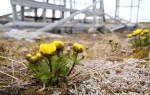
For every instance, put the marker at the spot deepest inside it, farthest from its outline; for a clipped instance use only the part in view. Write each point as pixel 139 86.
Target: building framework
pixel 134 4
pixel 95 10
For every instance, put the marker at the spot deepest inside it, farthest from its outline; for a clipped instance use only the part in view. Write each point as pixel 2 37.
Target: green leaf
pixel 55 67
pixel 54 58
pixel 54 79
pixel 41 72
pixel 32 66
pixel 80 57
pixel 44 79
pixel 61 53
pixel 44 66
pixel 64 70
pixel 63 60
pixel 74 56
pixel 78 63
pixel 70 61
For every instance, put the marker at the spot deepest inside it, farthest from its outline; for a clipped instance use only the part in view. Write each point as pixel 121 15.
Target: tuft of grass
pixel 140 52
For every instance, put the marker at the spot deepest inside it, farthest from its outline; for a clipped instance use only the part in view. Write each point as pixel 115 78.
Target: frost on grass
pixel 131 76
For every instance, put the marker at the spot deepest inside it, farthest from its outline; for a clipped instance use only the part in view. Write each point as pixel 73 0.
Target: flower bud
pixel 34 59
pixel 48 49
pixel 38 38
pixel 28 56
pixel 146 31
pixel 59 44
pixel 78 47
pixel 110 41
pixel 129 35
pixel 143 38
pixel 116 43
pixel 39 55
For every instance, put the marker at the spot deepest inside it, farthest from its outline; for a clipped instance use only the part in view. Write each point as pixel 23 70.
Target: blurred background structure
pixel 72 15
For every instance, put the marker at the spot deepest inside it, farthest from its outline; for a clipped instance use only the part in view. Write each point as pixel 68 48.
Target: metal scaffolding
pixel 95 9
pixel 130 6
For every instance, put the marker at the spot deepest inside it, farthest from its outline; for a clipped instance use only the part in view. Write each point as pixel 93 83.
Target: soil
pixel 104 71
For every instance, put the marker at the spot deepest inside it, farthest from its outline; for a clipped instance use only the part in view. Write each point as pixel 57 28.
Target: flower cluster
pixel 139 37
pixel 114 45
pixel 51 63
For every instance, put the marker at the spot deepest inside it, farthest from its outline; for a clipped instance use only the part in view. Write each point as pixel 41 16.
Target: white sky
pixel 144 10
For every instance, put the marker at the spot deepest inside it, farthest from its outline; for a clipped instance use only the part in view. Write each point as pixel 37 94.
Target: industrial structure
pixel 43 23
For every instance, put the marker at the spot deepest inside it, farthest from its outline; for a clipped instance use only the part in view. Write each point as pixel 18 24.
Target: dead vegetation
pixel 125 71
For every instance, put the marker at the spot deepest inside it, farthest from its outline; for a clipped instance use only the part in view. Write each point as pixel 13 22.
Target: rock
pixel 28 35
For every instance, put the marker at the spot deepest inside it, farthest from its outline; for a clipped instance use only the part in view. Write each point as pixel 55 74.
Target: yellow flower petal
pixel 39 55
pixel 143 38
pixel 28 56
pixel 145 30
pixel 142 33
pixel 38 38
pixel 48 49
pixel 34 58
pixel 59 44
pixel 138 31
pixel 129 35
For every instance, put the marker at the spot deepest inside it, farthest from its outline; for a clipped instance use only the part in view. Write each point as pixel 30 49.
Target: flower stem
pixel 76 54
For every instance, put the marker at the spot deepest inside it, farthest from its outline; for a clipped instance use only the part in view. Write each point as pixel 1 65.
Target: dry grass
pixel 103 72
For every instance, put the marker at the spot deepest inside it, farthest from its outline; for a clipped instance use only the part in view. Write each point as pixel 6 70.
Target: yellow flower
pixel 87 47
pixel 129 35
pixel 116 43
pixel 28 56
pixel 145 30
pixel 143 38
pixel 59 44
pixel 78 47
pixel 142 33
pixel 38 38
pixel 47 49
pixel 34 58
pixel 39 55
pixel 136 32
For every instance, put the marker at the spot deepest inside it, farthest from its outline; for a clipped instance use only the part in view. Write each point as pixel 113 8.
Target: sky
pixel 109 7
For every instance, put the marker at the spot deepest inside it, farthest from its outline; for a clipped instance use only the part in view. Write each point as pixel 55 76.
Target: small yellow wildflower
pixel 28 56
pixel 68 49
pixel 47 49
pixel 143 38
pixel 129 35
pixel 138 31
pixel 59 44
pixel 87 47
pixel 134 33
pixel 39 55
pixel 142 33
pixel 78 47
pixel 34 58
pixel 116 43
pixel 38 38
pixel 146 30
